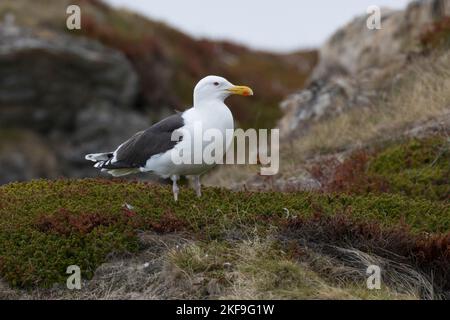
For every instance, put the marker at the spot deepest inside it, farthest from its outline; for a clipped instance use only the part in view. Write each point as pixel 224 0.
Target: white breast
pixel 215 116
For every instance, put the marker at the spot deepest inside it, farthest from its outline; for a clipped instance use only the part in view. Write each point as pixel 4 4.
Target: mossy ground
pixel 46 225
pixel 416 168
pixel 49 225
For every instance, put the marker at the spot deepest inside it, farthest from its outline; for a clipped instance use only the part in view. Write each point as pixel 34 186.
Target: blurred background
pixel 65 93
pixel 286 26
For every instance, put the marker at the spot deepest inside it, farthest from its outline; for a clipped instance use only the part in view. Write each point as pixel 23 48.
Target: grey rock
pixel 45 79
pixel 72 95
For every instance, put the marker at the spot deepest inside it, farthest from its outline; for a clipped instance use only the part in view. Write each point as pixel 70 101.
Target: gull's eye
pixel 216 84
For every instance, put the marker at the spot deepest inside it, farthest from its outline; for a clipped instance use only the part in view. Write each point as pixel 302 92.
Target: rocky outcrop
pixel 70 94
pixel 51 77
pixel 356 61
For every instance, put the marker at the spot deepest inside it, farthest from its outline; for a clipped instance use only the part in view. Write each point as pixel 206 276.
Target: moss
pixel 414 153
pixel 417 168
pixel 35 249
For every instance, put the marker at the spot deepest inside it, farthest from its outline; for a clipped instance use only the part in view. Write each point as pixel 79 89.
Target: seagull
pixel 151 150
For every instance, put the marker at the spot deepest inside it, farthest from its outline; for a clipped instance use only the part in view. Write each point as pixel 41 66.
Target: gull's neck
pixel 200 103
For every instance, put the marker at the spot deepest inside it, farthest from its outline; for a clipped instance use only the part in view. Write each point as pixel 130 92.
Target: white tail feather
pixel 97 156
pixel 122 172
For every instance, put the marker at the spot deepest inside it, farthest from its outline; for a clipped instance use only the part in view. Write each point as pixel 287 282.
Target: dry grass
pixel 172 267
pixel 421 94
pixel 344 265
pixel 263 271
pixel 257 269
pixel 260 274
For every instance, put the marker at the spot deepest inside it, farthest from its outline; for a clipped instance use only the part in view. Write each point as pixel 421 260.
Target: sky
pixel 275 25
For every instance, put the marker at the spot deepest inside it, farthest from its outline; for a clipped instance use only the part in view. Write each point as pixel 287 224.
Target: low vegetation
pixel 262 269
pixel 392 203
pixel 48 225
pixel 418 168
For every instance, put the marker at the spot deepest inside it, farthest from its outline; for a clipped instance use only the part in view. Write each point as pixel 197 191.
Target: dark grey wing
pixel 135 152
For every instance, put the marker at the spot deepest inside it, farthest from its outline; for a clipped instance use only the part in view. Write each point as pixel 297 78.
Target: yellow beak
pixel 241 90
